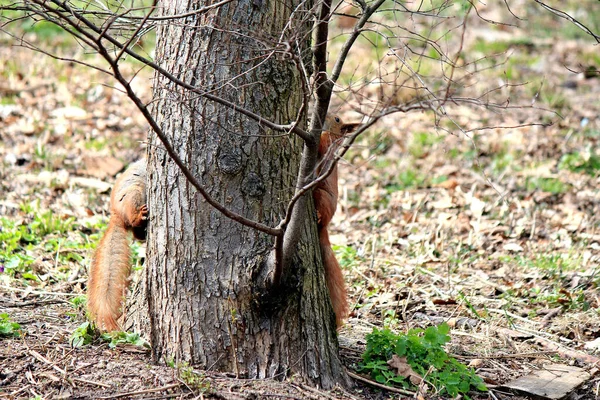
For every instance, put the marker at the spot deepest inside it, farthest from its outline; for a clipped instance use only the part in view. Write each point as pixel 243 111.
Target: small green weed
pixel 191 378
pixel 79 307
pixel 7 327
pixel 16 242
pixel 489 48
pixel 501 161
pixel 49 222
pixel 424 353
pixel 390 319
pixel 406 179
pixel 577 162
pixel 553 263
pixel 560 297
pixel 186 373
pixel 552 97
pixel 83 335
pixel 421 143
pixel 20 242
pixel 548 185
pixel 378 143
pixel 347 256
pixel 86 333
pixel 119 338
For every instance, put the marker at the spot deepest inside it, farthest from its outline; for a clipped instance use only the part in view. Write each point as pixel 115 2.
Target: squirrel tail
pixel 109 277
pixel 334 278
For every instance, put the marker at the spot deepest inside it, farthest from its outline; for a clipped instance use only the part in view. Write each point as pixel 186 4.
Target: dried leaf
pixel 102 167
pixel 402 368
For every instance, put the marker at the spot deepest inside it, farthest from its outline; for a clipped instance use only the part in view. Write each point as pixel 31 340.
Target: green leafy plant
pixel 49 222
pixel 83 335
pixel 347 256
pixel 7 327
pixel 422 350
pixel 578 162
pixel 119 338
pixel 78 302
pixel 549 185
pixel 192 378
pixel 24 240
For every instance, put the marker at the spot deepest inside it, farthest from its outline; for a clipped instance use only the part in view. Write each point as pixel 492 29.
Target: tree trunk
pixel 203 296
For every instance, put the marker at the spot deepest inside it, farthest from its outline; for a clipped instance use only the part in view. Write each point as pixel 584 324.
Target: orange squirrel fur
pixel 111 266
pixel 325 195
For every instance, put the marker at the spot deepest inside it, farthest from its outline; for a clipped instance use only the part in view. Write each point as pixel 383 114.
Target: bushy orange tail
pixel 109 277
pixel 335 279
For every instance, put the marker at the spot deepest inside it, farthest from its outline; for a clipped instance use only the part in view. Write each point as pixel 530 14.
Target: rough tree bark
pixel 204 297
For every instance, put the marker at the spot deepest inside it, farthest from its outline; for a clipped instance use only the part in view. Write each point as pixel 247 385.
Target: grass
pixel 42 232
pixel 548 185
pixel 586 162
pixel 422 142
pixel 552 286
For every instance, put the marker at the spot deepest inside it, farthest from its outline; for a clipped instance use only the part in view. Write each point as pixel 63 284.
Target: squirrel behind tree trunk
pixel 111 266
pixel 325 196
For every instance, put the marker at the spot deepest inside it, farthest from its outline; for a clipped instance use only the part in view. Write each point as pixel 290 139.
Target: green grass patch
pixel 501 162
pixel 553 263
pixel 422 142
pixel 347 256
pixel 580 162
pixel 556 296
pixel 406 179
pixel 186 373
pixel 548 185
pixel 38 234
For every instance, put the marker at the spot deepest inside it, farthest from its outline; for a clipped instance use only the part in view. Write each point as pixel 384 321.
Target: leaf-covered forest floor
pixel 495 229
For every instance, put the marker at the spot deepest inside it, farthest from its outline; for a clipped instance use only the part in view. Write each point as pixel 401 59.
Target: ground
pixel 487 219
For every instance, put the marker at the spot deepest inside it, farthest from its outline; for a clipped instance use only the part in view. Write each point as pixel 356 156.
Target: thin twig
pixel 136 392
pixel 291 225
pixel 566 16
pixel 104 385
pixel 379 385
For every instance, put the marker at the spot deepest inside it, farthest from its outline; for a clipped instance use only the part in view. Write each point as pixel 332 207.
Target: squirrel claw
pixel 144 212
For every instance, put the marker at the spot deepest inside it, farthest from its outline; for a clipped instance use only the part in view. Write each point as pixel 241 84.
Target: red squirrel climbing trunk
pixel 325 196
pixel 111 266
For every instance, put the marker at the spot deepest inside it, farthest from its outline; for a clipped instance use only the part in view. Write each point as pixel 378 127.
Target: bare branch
pixel 292 128
pixel 285 247
pixel 185 15
pixel 339 64
pixel 566 16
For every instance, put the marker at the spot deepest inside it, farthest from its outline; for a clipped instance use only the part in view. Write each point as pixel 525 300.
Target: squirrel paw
pixel 140 217
pixel 144 212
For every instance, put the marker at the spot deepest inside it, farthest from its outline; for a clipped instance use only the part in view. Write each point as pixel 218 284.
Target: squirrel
pixel 111 265
pixel 325 196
